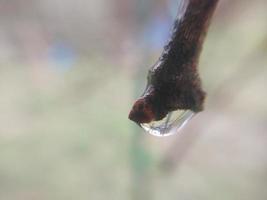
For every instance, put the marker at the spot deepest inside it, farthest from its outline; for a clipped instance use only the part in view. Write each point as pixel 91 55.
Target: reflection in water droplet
pixel 169 125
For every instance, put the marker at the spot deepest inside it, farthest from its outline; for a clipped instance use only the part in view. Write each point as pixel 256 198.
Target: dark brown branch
pixel 175 154
pixel 173 82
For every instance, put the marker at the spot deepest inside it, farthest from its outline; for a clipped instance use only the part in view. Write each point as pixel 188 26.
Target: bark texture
pixel 173 82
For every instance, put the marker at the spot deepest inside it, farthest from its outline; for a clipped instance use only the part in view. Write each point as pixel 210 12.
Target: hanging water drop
pixel 173 82
pixel 169 125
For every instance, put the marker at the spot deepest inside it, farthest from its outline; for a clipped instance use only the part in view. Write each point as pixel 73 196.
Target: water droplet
pixel 169 125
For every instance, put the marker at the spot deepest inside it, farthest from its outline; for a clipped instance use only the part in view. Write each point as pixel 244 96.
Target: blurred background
pixel 70 71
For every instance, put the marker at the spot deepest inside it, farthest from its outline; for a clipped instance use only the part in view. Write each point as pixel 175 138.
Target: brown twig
pixel 173 82
pixel 175 154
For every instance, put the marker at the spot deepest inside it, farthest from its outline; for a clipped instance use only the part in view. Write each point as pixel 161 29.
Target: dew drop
pixel 169 125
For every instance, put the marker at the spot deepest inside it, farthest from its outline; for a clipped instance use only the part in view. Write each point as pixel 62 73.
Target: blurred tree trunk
pixel 140 155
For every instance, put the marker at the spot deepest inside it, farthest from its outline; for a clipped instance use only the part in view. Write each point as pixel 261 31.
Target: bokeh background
pixel 70 71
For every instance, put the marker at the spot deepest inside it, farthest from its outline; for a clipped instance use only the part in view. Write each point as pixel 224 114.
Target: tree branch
pixel 173 82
